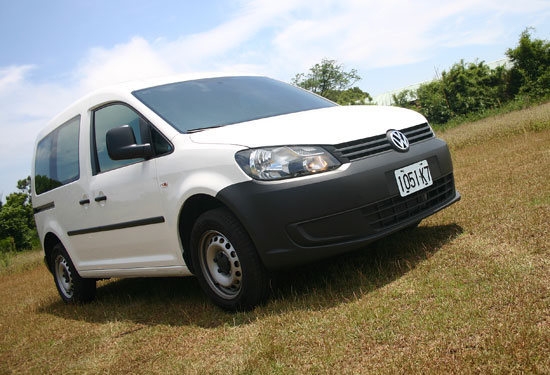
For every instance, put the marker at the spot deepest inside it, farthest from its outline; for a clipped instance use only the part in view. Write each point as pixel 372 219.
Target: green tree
pixel 353 96
pixel 16 217
pixel 330 80
pixel 471 87
pixel 432 102
pixel 25 186
pixel 405 98
pixel 475 87
pixel 465 88
pixel 530 73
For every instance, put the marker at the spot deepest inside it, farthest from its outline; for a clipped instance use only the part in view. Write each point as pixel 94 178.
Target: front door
pixel 124 223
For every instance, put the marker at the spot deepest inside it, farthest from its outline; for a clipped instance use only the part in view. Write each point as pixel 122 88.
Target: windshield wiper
pixel 197 130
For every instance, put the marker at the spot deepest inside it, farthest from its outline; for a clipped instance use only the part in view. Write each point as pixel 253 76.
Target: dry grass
pixel 465 293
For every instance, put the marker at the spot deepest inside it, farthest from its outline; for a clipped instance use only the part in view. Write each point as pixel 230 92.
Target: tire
pixel 226 262
pixel 71 287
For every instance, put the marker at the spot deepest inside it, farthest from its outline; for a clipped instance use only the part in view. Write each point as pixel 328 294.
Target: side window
pixel 105 119
pixel 115 115
pixel 56 161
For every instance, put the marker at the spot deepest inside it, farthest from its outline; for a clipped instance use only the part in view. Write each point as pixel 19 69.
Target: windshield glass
pixel 194 105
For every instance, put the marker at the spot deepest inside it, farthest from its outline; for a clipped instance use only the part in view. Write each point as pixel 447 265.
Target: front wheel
pixel 71 287
pixel 226 262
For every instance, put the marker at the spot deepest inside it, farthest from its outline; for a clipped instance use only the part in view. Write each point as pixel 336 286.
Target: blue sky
pixel 52 52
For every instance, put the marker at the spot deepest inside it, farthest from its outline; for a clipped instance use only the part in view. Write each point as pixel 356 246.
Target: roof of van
pixel 133 85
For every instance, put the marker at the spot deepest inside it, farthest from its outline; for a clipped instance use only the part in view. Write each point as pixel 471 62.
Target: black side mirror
pixel 121 144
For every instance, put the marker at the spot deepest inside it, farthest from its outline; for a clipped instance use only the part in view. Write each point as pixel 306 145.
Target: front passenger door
pixel 124 219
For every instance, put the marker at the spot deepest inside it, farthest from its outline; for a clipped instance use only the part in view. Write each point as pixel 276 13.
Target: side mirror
pixel 121 144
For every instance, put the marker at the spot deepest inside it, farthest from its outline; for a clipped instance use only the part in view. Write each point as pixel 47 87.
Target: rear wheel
pixel 226 262
pixel 71 287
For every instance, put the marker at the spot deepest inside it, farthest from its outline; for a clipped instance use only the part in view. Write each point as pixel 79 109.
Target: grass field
pixel 467 292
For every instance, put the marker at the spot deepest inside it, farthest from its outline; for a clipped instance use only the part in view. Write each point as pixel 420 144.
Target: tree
pixel 530 73
pixel 405 98
pixel 464 89
pixel 16 217
pixel 471 87
pixel 432 102
pixel 475 87
pixel 25 186
pixel 353 96
pixel 329 80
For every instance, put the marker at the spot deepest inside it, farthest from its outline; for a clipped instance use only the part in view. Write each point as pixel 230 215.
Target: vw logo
pixel 398 140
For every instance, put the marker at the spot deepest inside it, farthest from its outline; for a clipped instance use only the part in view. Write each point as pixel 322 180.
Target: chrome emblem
pixel 398 140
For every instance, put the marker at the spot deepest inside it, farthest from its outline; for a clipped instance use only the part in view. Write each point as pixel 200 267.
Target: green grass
pixel 467 292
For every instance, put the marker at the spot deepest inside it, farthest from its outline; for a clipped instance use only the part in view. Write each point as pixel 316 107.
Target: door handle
pixel 100 198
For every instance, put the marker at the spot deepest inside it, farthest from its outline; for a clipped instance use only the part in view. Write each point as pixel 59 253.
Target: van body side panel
pixel 123 225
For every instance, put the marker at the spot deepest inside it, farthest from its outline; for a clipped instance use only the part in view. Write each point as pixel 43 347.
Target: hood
pixel 324 126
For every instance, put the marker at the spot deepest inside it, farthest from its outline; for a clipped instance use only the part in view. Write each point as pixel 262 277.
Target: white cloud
pixel 133 60
pixel 25 107
pixel 282 38
pixel 12 76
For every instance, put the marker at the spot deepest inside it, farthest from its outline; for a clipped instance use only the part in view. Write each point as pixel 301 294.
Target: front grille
pixel 362 148
pixel 397 209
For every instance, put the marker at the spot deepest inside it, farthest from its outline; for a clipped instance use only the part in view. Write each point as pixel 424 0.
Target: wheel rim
pixel 220 264
pixel 63 276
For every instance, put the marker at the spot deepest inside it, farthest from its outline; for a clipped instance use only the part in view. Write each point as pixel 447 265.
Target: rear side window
pixel 57 160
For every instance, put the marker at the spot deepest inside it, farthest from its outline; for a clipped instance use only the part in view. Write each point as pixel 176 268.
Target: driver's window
pixel 105 119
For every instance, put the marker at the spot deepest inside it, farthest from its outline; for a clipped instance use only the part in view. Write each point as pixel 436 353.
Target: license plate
pixel 413 178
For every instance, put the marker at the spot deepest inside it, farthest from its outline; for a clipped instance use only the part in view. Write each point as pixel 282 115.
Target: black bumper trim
pixel 367 221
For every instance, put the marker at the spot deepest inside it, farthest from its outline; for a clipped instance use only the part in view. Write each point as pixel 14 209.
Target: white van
pixel 225 178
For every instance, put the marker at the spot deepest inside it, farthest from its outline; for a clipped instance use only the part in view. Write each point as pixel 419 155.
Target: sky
pixel 52 52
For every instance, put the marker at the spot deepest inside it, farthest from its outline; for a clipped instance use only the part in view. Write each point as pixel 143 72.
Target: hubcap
pixel 220 264
pixel 63 276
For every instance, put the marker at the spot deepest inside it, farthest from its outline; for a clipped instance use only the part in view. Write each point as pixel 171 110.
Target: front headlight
pixel 275 163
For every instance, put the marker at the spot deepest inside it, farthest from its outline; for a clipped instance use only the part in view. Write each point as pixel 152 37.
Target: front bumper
pixel 300 220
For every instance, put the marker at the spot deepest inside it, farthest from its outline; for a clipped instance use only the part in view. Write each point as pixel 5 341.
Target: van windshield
pixel 192 106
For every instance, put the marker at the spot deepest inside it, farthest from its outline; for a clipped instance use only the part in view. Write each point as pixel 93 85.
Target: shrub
pixel 7 245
